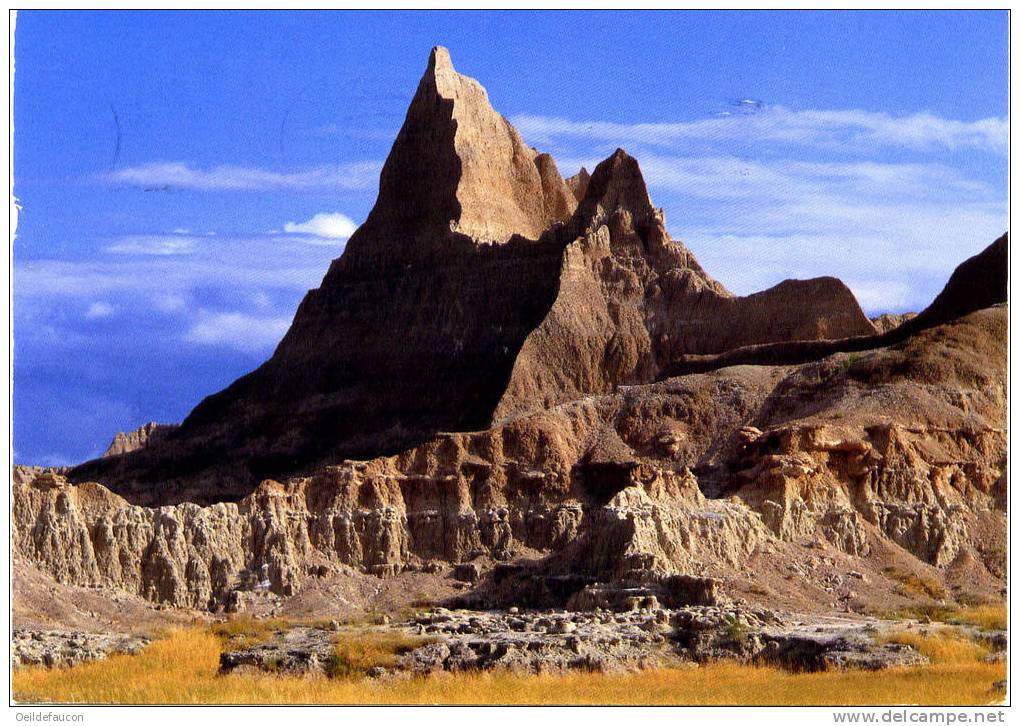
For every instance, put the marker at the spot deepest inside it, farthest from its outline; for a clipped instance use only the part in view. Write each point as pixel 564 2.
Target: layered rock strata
pixel 901 448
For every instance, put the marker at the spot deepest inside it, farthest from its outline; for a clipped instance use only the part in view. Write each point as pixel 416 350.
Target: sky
pixel 184 178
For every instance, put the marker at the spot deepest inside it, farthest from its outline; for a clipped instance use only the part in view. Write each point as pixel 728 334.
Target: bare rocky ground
pixel 57 625
pixel 55 648
pixel 552 641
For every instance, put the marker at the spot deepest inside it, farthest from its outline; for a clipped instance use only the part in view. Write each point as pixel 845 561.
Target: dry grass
pixel 913 585
pixel 356 653
pixel 984 616
pixel 945 648
pixel 254 631
pixel 183 669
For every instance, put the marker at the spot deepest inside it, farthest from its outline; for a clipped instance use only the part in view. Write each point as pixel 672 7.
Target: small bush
pixel 736 631
pixel 848 362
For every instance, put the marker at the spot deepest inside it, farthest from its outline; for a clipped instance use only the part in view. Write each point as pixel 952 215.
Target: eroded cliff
pixel 897 450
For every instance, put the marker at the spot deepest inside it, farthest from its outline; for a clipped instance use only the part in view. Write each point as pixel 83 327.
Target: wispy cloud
pixel 768 177
pixel 893 232
pixel 237 330
pixel 169 302
pixel 822 128
pixel 328 225
pixel 99 310
pixel 236 292
pixel 154 244
pixel 181 175
pixel 224 264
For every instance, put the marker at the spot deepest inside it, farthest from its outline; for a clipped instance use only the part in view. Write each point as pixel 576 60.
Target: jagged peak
pixel 444 80
pixel 439 59
pixel 616 184
pixel 578 184
pixel 458 165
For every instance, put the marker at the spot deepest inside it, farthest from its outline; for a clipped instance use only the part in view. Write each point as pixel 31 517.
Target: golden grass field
pixel 182 667
pixel 985 617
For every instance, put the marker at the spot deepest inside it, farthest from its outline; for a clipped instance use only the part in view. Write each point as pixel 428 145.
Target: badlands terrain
pixel 519 429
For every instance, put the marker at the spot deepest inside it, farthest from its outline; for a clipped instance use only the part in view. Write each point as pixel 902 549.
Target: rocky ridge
pixel 979 282
pixel 124 443
pixel 481 286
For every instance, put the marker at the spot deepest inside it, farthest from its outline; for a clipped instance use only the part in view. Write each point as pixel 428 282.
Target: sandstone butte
pixel 525 373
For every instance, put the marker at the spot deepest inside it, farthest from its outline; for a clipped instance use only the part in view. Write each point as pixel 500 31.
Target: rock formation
pixel 481 286
pixel 888 321
pixel 979 282
pixel 53 648
pixel 578 184
pixel 124 443
pixel 485 385
pixel 551 642
pixel 631 300
pixel 700 474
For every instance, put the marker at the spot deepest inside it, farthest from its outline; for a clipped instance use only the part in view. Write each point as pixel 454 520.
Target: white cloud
pixel 169 303
pixel 237 330
pixel 231 265
pixel 261 300
pixel 763 178
pixel 329 225
pixel 153 245
pixel 99 310
pixel 881 295
pixel 181 175
pixel 831 128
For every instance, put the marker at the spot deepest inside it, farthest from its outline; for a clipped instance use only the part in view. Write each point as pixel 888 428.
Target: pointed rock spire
pixel 616 183
pixel 579 183
pixel 458 164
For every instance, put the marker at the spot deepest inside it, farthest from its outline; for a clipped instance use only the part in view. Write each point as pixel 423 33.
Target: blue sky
pixel 185 177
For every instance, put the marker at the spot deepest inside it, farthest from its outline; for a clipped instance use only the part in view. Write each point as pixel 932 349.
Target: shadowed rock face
pixel 481 287
pixel 413 330
pixel 578 183
pixel 979 282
